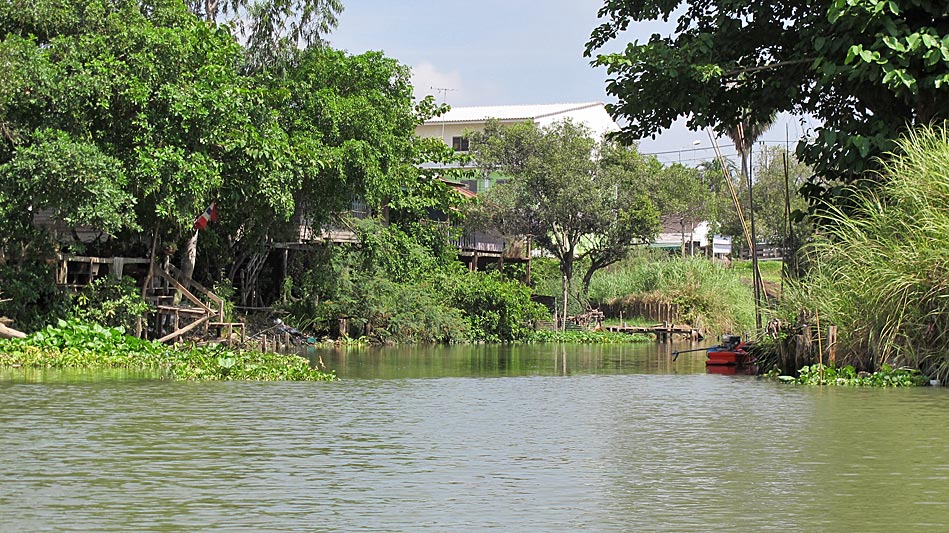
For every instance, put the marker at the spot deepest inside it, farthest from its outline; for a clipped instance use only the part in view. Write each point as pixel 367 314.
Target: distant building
pixel 677 232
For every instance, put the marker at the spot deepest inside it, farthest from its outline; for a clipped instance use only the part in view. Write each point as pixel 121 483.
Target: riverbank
pixel 77 345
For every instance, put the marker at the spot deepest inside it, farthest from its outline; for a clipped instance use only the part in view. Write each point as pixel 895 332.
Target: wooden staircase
pixel 182 308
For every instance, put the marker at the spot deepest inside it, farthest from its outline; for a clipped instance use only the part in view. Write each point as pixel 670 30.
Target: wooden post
pixel 832 344
pixel 806 345
pixel 283 273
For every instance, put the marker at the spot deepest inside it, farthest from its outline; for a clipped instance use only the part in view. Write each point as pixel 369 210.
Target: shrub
pixel 33 300
pixel 111 302
pixel 496 308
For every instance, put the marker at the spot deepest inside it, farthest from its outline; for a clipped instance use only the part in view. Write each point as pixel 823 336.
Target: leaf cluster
pixel 867 70
pixel 78 344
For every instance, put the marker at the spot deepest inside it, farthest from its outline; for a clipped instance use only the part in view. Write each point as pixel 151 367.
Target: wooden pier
pixel 663 332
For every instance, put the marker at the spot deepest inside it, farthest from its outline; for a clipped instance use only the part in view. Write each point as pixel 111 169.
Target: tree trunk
pixel 10 333
pixel 187 263
pixel 566 269
pixel 210 10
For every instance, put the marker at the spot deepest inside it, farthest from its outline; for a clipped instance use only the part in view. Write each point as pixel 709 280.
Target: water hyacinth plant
pixel 75 344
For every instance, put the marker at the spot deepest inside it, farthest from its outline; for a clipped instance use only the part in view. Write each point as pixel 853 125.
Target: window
pixel 459 144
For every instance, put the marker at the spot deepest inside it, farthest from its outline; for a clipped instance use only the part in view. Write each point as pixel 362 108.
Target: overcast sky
pixel 496 52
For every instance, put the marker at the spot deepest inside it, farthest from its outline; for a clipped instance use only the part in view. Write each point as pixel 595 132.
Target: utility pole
pixel 756 276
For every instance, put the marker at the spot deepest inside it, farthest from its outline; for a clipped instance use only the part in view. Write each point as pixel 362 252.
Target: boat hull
pixel 726 358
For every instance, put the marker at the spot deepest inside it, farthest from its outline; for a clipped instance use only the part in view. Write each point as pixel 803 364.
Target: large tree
pixel 272 29
pixel 866 69
pixel 133 118
pixel 578 199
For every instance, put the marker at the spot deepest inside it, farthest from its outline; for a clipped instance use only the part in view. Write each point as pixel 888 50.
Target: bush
pixel 391 289
pixel 497 309
pixel 33 300
pixel 111 302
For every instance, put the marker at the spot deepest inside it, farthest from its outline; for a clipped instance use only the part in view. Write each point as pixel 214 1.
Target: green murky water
pixel 540 438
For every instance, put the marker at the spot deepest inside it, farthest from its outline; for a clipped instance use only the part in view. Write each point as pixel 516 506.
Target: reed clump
pixel 880 271
pixel 707 293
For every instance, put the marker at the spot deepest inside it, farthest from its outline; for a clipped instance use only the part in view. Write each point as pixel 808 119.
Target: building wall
pixel 594 117
pixel 446 131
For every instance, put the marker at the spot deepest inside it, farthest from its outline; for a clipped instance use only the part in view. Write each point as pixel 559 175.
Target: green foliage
pixel 708 293
pixel 771 197
pixel 497 309
pixel 866 70
pixel 577 198
pixel 76 344
pixel 273 28
pixel 880 274
pixel 132 117
pixel 111 302
pixel 33 299
pixel 847 376
pixel 393 289
pixel 585 337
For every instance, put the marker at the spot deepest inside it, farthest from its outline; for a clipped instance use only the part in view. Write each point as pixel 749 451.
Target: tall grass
pixel 706 292
pixel 881 273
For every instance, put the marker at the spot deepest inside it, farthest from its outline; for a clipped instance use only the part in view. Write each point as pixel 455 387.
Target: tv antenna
pixel 444 91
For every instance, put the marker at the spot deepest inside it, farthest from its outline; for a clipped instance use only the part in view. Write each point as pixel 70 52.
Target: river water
pixel 540 438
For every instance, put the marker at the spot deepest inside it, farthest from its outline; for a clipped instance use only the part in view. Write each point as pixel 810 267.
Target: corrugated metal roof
pixel 508 112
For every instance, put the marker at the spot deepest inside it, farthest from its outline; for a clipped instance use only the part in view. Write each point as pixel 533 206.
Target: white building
pixel 453 125
pixel 677 232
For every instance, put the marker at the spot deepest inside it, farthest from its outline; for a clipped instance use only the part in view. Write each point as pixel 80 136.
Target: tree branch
pixel 769 66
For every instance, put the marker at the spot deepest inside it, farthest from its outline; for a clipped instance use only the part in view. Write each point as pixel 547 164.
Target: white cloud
pixel 460 91
pixel 428 80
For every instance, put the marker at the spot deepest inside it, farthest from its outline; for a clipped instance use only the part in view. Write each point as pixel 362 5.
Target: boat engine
pixel 730 342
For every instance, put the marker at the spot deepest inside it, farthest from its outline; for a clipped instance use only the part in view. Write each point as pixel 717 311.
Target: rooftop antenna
pixel 444 91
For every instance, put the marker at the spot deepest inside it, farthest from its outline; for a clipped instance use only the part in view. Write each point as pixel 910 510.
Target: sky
pixel 495 52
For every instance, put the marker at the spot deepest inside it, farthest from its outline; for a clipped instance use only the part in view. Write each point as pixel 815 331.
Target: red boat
pixel 729 357
pixel 730 353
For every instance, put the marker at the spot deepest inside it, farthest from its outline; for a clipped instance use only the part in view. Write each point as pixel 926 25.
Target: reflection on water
pixel 499 439
pixel 508 360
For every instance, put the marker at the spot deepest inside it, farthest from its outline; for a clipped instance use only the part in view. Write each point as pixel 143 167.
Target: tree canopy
pixel 577 198
pixel 867 69
pixel 133 117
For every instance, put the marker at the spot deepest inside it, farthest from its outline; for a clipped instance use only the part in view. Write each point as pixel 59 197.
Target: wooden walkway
pixel 663 332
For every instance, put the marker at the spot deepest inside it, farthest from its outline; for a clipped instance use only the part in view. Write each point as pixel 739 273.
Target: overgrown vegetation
pixel 880 273
pixel 111 303
pixel 585 337
pixel 848 376
pixel 707 293
pixel 390 288
pixel 83 345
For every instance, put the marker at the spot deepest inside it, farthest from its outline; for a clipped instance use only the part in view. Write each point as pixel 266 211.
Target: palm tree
pixel 745 134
